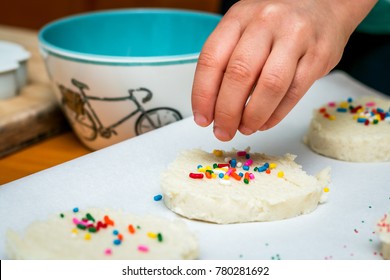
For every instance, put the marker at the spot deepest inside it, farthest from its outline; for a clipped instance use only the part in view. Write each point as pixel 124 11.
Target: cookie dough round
pixel 352 130
pixel 383 231
pixel 271 187
pixel 103 234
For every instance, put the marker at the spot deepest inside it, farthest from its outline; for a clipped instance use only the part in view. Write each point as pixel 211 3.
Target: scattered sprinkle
pixel 75 210
pixel 157 197
pixel 143 248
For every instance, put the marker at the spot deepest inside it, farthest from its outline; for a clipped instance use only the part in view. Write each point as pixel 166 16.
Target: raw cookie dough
pixel 103 234
pixel 383 231
pixel 271 187
pixel 352 130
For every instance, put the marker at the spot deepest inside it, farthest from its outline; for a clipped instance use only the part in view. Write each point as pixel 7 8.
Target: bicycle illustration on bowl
pixel 88 125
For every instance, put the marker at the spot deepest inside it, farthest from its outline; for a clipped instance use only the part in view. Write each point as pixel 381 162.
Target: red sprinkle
pixel 220 165
pixel 196 175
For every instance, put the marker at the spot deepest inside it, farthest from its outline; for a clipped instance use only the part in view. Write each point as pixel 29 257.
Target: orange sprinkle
pixel 236 176
pixel 268 171
pixel 108 221
pixel 120 236
pixel 131 229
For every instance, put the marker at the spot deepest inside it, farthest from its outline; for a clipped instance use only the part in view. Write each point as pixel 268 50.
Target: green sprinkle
pixel 215 165
pixel 80 226
pixel 138 227
pixel 246 181
pixel 92 229
pixel 62 215
pixel 159 237
pixel 89 217
pixel 375 121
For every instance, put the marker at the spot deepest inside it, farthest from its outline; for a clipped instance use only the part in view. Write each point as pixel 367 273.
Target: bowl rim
pixel 47 48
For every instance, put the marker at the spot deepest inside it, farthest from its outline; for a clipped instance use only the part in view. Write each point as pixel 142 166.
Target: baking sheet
pixel 126 176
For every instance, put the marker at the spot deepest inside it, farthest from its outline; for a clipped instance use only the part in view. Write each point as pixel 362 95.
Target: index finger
pixel 210 69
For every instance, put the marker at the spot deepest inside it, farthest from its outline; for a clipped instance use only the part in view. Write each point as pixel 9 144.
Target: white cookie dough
pixel 283 190
pixel 383 231
pixel 125 236
pixel 352 130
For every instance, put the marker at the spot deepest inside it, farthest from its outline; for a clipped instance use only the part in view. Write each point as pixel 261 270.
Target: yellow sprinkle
pixel 202 169
pixel 280 174
pixel 74 231
pixel 226 177
pixel 213 175
pixel 360 110
pixel 152 235
pixel 218 153
pixel 208 167
pixel 332 118
pixel 326 189
pixel 344 104
pixel 355 117
pixel 87 236
pixel 272 165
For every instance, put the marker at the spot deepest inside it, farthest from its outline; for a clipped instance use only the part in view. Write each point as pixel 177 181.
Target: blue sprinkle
pixel 233 163
pixel 350 99
pixel 220 175
pixel 157 197
pixel 245 167
pixel 266 164
pixel 247 156
pixel 115 232
pixel 241 174
pixel 199 166
pixel 75 210
pixel 342 110
pixel 262 168
pixel 117 242
pixel 361 120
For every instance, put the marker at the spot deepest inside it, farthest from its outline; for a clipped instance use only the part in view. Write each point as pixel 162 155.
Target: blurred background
pixel 33 132
pixel 33 14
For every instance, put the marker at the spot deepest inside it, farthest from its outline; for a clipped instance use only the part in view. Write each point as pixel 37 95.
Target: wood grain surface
pixel 34 114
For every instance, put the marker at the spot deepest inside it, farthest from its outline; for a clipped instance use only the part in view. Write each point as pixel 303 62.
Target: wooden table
pixel 39 156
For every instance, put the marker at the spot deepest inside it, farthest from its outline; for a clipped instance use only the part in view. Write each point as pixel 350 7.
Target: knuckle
pixel 207 60
pixel 273 83
pixel 224 116
pixel 238 70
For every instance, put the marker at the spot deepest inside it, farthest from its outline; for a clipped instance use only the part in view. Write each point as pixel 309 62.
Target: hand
pixel 263 57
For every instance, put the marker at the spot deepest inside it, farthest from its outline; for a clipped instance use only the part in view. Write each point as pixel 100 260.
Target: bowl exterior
pixel 107 103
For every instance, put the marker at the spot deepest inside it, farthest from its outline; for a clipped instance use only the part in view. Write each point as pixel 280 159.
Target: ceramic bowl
pixel 120 73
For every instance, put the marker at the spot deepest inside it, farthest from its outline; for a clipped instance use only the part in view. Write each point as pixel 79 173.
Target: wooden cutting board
pixel 34 114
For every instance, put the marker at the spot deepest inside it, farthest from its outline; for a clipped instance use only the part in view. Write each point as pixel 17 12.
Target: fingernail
pixel 221 134
pixel 244 130
pixel 200 119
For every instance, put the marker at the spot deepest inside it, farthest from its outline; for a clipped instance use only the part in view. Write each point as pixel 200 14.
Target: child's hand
pixel 263 57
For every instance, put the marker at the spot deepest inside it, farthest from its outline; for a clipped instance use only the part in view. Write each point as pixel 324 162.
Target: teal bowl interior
pixel 130 33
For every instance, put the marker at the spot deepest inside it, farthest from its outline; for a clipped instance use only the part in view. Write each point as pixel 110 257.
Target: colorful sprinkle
pixel 143 248
pixel 117 242
pixel 75 210
pixel 108 252
pixel 87 236
pixel 131 229
pixel 196 175
pixel 326 189
pixel 218 153
pixel 157 197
